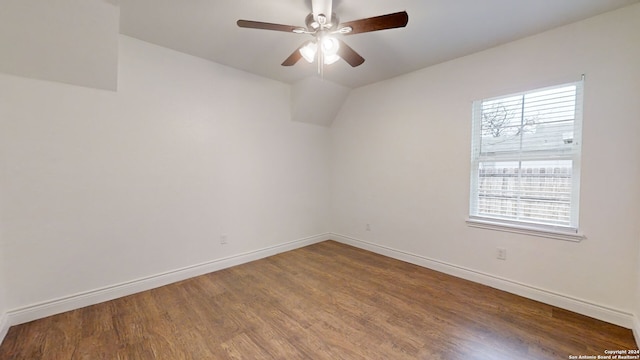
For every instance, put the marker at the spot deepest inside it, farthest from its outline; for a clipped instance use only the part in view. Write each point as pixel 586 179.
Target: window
pixel 526 159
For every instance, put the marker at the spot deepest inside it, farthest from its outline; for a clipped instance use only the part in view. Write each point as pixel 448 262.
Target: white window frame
pixel 548 230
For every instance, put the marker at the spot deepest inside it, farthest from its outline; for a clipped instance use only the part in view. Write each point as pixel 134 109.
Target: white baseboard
pixel 4 326
pixel 579 306
pixel 76 301
pixel 92 297
pixel 636 330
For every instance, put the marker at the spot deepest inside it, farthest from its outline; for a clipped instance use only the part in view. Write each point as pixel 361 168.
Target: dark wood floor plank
pixel 325 301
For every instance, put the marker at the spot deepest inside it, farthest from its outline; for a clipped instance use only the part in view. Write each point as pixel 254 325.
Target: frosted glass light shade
pixel 308 51
pixel 330 46
pixel 330 59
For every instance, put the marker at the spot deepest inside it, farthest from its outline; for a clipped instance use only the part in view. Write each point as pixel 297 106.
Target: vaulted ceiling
pixel 76 41
pixel 438 30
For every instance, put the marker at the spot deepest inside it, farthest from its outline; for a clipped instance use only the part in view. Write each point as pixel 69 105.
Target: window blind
pixel 526 157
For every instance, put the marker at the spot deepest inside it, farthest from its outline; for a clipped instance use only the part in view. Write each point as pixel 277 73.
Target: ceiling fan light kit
pixel 325 47
pixel 328 50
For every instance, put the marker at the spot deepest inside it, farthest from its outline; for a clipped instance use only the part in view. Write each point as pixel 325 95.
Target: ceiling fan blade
pixel 266 26
pixel 295 56
pixel 382 22
pixel 349 55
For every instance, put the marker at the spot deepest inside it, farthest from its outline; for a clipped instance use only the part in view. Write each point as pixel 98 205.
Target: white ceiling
pixel 438 30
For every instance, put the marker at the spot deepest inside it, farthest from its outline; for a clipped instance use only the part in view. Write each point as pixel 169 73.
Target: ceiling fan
pixel 323 25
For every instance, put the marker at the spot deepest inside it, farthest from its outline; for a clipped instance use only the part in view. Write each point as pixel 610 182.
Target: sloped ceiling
pixel 76 41
pixel 438 30
pixel 71 41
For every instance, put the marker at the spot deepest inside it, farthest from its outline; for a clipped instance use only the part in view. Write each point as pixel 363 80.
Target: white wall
pixel 307 93
pixel 401 157
pixel 4 324
pixel 106 187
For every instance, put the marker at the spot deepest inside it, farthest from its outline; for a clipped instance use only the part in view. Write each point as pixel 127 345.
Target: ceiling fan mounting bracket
pixel 315 23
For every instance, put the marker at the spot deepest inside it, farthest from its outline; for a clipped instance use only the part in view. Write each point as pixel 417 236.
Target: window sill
pixel 525 230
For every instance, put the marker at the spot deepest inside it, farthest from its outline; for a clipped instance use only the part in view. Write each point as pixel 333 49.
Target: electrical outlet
pixel 368 227
pixel 223 239
pixel 501 254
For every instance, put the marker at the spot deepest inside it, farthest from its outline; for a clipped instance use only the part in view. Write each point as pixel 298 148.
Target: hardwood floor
pixel 325 301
